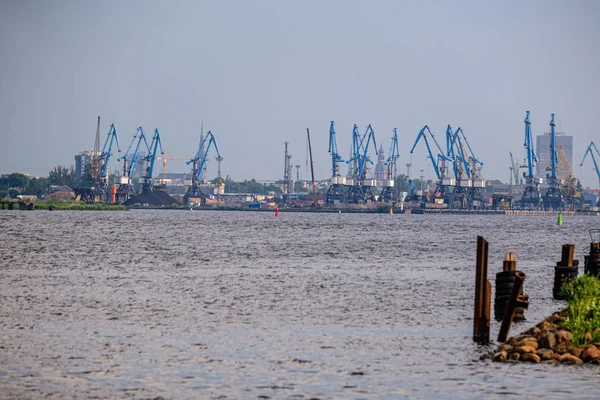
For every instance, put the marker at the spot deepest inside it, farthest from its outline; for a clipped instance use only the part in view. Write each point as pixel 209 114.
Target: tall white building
pixel 542 149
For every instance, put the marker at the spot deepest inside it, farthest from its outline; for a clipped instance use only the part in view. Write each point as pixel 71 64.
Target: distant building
pixel 81 161
pixel 380 166
pixel 542 150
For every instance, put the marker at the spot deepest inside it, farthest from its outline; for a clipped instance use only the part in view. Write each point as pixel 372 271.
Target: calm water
pixel 184 304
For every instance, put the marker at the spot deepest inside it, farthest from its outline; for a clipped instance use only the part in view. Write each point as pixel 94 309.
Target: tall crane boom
pixel 590 149
pixel 312 172
pixel 360 150
pixel 198 163
pixel 335 157
pixel 394 156
pixel 528 145
pixel 106 153
pixel 201 156
pixel 553 155
pixel 151 157
pixel 423 135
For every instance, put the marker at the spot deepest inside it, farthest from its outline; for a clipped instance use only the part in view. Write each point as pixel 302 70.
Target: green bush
pixel 583 297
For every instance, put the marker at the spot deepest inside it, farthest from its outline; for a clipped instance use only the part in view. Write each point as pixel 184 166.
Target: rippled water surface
pixel 184 304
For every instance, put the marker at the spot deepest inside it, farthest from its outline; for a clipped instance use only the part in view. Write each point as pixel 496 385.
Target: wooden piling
pixel 510 262
pixel 483 292
pixel 512 305
pixel 568 252
pixel 565 271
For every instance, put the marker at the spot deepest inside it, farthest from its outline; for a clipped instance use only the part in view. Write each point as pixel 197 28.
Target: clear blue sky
pixel 261 72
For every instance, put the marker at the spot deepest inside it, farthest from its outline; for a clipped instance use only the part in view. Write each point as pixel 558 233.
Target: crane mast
pixel 96 189
pixel 553 198
pixel 126 188
pixel 359 191
pixel 148 185
pixel 312 172
pixel 336 193
pixel 442 190
pixel 590 150
pixel 389 193
pixel 531 194
pixel 198 163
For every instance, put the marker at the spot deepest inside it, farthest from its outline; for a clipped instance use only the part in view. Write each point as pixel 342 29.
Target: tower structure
pixel 95 159
pixel 380 166
pixel 287 172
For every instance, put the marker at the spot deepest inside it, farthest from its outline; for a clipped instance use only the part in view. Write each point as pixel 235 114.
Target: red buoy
pixel 277 211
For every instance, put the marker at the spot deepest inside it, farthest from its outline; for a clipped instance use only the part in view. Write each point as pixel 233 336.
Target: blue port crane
pixel 553 198
pixel 198 162
pixel 360 150
pixel 360 191
pixel 423 135
pixel 106 153
pixel 150 158
pixel 335 157
pixel 336 193
pixel 392 160
pixel 590 150
pixel 126 188
pixel 438 162
pixel 389 193
pixel 470 168
pixel 531 194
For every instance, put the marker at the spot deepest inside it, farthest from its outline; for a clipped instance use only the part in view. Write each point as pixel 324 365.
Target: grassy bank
pixel 583 313
pixel 76 205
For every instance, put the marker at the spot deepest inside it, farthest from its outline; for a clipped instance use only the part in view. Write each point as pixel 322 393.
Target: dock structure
pixel 17 204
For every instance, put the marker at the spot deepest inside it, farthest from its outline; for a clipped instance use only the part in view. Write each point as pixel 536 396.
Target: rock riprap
pixel 547 343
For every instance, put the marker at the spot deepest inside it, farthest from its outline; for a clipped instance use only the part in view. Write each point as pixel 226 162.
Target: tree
pixel 401 183
pixel 60 175
pixel 37 186
pixel 17 180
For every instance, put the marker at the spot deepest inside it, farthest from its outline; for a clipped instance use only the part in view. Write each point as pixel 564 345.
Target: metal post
pixel 483 290
pixel 513 302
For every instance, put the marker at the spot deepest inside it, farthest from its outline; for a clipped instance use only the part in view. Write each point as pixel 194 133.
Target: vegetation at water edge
pixel 76 205
pixel 583 314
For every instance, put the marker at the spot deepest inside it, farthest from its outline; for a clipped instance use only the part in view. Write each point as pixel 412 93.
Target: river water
pixel 205 304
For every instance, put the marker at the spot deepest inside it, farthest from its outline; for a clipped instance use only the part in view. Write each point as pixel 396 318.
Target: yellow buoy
pixel 391 211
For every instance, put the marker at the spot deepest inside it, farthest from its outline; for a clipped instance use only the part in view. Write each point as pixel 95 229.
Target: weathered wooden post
pixel 565 271
pixel 510 262
pixel 483 293
pixel 592 261
pixel 513 302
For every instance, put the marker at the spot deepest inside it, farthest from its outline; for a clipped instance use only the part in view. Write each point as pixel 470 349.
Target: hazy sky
pixel 261 72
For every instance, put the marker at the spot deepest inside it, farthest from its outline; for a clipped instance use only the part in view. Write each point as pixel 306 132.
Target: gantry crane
pixel 337 191
pixel 148 184
pixel 442 190
pixel 553 198
pixel 98 185
pixel 360 190
pixel 389 193
pixel 475 196
pixel 126 188
pixel 590 149
pixel 198 162
pixel 531 194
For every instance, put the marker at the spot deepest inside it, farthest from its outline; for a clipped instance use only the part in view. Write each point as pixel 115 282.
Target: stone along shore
pixel 547 343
